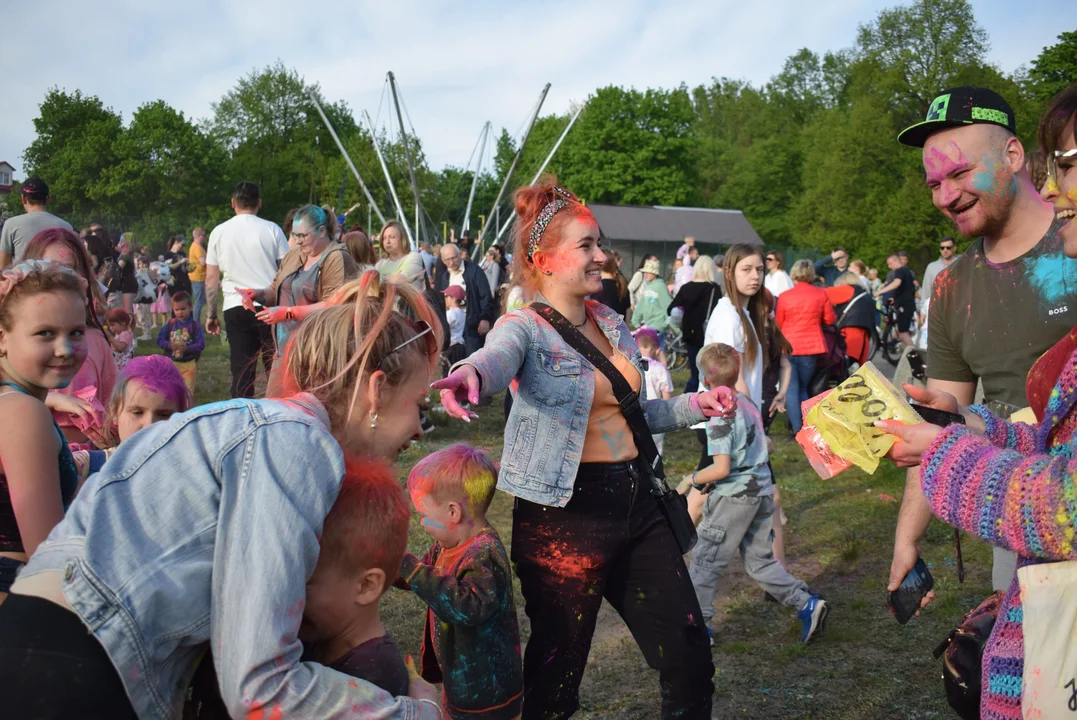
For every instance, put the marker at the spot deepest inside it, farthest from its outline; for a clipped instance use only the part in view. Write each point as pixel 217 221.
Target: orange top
pixel 608 438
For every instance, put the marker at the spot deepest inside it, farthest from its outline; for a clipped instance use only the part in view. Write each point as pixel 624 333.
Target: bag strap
pixel 627 398
pixel 848 307
pixel 710 307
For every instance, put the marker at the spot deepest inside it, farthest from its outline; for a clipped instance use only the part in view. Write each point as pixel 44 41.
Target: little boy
pixel 181 337
pixel 454 313
pixel 147 293
pixel 659 382
pixel 471 642
pixel 363 538
pixel 738 511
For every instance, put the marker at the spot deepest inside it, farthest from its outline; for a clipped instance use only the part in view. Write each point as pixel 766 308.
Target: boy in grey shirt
pixel 739 508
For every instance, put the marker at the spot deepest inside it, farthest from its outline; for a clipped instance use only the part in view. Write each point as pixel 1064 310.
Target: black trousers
pixel 53 667
pixel 610 541
pixel 693 370
pixel 248 337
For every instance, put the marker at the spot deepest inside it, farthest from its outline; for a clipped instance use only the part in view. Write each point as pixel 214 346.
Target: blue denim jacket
pixel 204 530
pixel 548 422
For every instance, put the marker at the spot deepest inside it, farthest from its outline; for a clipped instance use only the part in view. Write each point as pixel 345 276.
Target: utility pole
pixel 347 158
pixel 508 175
pixel 388 178
pixel 475 178
pixel 419 229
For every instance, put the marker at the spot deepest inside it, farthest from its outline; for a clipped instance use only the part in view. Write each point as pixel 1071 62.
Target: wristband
pixel 700 488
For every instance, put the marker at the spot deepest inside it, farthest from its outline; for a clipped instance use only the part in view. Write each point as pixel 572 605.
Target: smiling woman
pixel 572 463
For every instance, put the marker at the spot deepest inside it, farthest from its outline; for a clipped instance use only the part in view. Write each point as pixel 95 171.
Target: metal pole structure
pixel 545 162
pixel 512 167
pixel 347 158
pixel 419 229
pixel 388 178
pixel 475 179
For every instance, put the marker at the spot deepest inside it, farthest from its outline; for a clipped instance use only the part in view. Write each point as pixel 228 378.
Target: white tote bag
pixel 1049 601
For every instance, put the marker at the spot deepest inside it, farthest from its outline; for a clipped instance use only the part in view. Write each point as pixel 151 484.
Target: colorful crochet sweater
pixel 1015 487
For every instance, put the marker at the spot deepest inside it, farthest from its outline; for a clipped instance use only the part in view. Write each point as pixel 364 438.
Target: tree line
pixel 811 156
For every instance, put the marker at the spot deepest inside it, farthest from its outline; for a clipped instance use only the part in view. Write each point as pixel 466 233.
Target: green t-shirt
pixel 992 321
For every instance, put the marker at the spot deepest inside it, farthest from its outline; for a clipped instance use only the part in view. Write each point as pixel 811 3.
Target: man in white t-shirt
pixel 244 252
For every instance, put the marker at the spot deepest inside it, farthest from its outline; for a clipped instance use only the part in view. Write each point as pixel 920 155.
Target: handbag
pixel 673 505
pixel 962 655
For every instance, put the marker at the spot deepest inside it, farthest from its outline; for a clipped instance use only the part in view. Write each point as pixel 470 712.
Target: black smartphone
pixel 258 308
pixel 938 417
pixel 905 601
pixel 917 366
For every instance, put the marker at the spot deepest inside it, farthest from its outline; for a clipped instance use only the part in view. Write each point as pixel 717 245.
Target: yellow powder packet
pixel 846 417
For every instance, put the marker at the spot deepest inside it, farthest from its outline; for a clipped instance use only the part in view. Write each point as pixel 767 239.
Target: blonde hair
pixel 802 271
pixel 336 348
pixel 723 363
pixel 458 472
pixel 704 270
pixel 848 278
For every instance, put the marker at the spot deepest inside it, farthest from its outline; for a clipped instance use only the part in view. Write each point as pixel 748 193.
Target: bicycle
pixel 887 339
pixel 676 349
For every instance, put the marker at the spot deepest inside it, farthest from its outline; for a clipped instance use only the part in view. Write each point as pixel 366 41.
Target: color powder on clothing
pixel 1054 277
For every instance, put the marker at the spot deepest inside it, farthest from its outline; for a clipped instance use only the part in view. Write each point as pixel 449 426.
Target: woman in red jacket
pixel 801 314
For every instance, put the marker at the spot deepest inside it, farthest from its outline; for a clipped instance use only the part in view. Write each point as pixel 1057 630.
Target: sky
pixel 458 64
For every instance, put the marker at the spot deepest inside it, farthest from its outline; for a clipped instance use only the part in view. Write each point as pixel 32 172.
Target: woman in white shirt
pixel 397 259
pixel 778 280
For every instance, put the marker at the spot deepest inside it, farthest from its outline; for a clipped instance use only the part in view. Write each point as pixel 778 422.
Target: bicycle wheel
pixel 874 343
pixel 891 344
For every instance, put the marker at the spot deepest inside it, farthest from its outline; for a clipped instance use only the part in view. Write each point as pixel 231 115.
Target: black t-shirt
pixel 179 272
pixel 377 661
pixel 608 296
pixel 906 292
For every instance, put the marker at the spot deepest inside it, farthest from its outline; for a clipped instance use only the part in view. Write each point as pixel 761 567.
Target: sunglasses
pixel 422 329
pixel 1067 158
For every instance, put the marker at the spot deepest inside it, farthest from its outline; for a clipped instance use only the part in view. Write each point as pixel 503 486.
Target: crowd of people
pixel 169 559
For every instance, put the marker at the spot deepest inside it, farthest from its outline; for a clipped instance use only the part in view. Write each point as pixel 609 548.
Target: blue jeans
pixel 199 292
pixel 803 369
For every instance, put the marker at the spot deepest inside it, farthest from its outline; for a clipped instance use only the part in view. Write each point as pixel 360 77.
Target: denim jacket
pixel 201 532
pixel 548 422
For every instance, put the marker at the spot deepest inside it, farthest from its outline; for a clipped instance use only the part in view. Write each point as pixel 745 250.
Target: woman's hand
pixel 912 440
pixel 274 315
pixel 246 298
pixel 934 399
pixel 719 402
pixel 777 405
pixel 461 386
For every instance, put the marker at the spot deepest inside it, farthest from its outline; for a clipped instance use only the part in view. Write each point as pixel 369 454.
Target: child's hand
pixel 685 485
pixel 418 688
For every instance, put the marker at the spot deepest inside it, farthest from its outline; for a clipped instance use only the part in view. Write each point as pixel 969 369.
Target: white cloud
pixel 458 64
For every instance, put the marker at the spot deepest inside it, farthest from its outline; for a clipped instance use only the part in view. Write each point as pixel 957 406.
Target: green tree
pixel 167 174
pixel 917 50
pixel 76 134
pixel 1055 68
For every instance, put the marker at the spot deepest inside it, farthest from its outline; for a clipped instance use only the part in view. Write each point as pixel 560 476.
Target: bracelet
pixel 700 488
pixel 441 713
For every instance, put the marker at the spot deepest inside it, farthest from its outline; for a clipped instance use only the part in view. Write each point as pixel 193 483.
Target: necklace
pixel 585 318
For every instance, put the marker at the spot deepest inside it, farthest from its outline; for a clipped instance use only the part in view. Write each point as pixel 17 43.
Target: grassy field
pixel 839 539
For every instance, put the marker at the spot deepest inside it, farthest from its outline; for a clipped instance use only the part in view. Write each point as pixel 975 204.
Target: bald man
pixel 1006 300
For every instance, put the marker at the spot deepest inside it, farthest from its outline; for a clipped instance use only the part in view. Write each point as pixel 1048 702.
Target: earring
pixel 547 272
pixel 373 420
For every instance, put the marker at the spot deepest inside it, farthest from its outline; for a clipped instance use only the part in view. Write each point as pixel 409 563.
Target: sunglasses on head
pixel 422 329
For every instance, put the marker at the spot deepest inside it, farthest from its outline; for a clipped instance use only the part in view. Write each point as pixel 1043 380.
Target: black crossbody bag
pixel 673 505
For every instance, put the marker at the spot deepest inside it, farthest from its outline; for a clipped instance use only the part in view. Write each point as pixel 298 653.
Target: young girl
pixel 121 338
pixel 454 314
pixel 659 382
pixel 150 390
pixel 42 347
pixel 98 373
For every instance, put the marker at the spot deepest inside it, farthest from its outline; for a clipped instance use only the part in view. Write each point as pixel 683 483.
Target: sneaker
pixel 710 635
pixel 812 618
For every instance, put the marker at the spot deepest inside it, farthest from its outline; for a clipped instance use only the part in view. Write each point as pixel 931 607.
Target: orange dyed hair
pixel 458 472
pixel 367 527
pixel 529 201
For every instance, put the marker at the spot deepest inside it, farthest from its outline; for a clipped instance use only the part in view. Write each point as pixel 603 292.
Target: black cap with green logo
pixel 965 105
